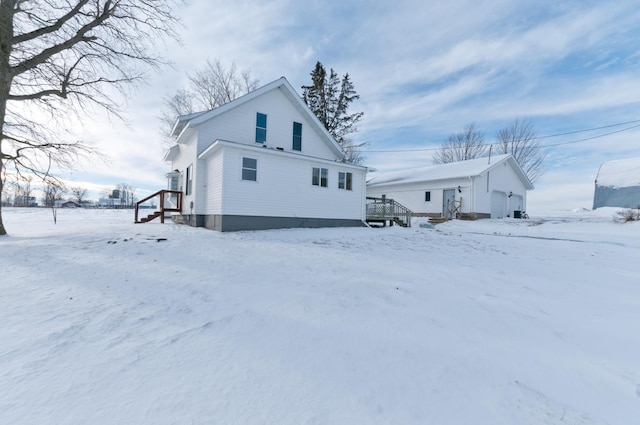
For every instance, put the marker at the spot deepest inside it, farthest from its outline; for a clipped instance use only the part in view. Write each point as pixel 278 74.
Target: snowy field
pixel 491 322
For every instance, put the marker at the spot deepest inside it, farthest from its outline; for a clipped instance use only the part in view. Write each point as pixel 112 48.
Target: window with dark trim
pixel 261 128
pixel 427 197
pixel 297 136
pixel 249 169
pixel 345 180
pixel 320 177
pixel 189 188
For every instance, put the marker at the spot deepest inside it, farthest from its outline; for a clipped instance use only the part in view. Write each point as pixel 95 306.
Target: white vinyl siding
pixel 283 189
pixel 474 195
pixel 239 125
pixel 214 184
pixel 185 159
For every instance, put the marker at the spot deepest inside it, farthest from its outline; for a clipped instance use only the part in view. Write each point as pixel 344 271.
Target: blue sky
pixel 424 70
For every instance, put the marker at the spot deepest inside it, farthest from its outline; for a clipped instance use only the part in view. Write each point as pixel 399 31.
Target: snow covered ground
pixel 489 322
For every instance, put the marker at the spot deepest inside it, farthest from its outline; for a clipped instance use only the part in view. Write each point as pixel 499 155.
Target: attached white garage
pixel 489 187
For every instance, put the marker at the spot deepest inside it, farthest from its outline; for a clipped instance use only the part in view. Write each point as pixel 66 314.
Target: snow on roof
pixel 619 173
pixel 472 167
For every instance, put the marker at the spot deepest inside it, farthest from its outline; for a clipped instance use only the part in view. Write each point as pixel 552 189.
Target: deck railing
pixel 170 201
pixel 383 209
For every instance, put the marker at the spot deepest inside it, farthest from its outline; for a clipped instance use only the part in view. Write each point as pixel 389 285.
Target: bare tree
pixel 53 191
pixel 78 193
pixel 22 190
pixel 6 199
pixel 59 58
pixel 520 140
pixel 468 144
pixel 127 194
pixel 211 86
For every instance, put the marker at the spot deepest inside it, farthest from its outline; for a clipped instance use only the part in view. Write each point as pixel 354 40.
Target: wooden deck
pixel 383 211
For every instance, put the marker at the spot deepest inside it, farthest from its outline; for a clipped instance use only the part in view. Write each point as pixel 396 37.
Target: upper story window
pixel 345 181
pixel 320 177
pixel 297 136
pixel 249 169
pixel 261 128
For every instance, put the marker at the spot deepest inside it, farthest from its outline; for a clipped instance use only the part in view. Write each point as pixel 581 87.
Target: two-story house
pixel 263 161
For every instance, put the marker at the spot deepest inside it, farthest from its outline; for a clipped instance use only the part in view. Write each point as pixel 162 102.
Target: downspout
pixel 472 198
pixel 363 211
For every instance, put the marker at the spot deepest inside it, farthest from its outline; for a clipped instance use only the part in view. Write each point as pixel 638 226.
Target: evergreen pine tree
pixel 329 98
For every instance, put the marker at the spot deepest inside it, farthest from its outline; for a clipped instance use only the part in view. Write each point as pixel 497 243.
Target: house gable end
pixel 516 168
pixel 199 120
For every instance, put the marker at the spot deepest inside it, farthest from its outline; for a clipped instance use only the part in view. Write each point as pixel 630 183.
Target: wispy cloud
pixel 423 70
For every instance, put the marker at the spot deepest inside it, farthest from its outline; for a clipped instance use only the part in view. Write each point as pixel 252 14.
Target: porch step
pixel 150 217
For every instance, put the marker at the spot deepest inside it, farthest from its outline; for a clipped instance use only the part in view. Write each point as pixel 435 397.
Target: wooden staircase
pixel 170 201
pixel 149 217
pixel 383 210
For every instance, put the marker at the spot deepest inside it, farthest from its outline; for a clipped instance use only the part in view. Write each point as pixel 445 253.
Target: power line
pixel 540 137
pixel 591 138
pixel 588 129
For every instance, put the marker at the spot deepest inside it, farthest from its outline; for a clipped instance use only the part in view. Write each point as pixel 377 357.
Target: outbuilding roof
pixel 619 173
pixel 452 170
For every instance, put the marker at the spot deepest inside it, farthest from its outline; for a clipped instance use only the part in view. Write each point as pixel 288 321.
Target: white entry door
pixel 498 204
pixel 448 198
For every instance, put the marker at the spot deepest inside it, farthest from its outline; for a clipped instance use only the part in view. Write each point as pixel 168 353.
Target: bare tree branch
pixel 39 32
pixel 520 140
pixel 58 59
pixel 468 144
pixel 211 86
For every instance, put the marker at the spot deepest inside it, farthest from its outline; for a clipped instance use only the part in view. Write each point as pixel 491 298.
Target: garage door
pixel 498 204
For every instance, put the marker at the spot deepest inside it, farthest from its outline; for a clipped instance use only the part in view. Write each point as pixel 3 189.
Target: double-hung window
pixel 320 177
pixel 249 169
pixel 345 181
pixel 297 136
pixel 261 128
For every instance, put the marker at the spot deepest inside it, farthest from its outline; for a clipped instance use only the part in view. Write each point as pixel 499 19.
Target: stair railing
pixel 388 209
pixel 170 201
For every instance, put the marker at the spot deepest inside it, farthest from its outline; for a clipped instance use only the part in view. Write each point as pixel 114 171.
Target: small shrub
pixel 629 214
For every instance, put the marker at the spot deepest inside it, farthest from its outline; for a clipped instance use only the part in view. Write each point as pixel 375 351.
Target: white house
pixel 618 184
pixel 494 187
pixel 263 161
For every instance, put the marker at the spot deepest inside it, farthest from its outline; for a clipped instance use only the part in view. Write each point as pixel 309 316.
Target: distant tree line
pixel 21 191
